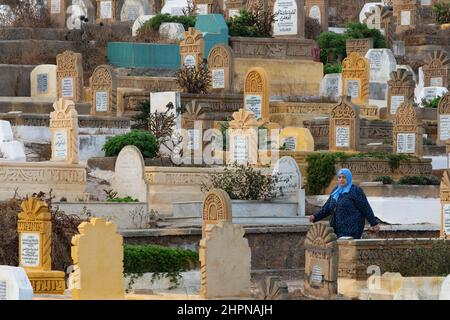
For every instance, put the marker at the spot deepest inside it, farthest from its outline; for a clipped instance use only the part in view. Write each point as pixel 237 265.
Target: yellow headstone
pixel 297 139
pixel 97 254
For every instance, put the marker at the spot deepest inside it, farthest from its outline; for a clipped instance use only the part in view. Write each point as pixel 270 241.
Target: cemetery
pixel 218 150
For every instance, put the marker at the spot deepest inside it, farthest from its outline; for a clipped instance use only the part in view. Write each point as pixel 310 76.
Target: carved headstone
pixel 225 262
pixel 57 10
pixel 103 85
pixel 407 133
pixel 289 18
pixel 445 205
pixel 97 254
pixel 69 76
pixel 64 132
pixel 129 174
pixel 35 245
pixel 220 64
pixel 321 262
pixel 318 9
pixel 191 48
pixel 216 208
pixel 406 13
pixel 443 114
pixel 400 89
pixel 107 11
pixel 355 78
pixel 331 85
pixel 272 288
pixel 344 126
pixel 256 93
pixel 361 46
pixel 381 17
pixel 437 70
pixel 243 138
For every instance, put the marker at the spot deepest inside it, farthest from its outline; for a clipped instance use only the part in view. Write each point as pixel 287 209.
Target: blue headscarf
pixel 347 187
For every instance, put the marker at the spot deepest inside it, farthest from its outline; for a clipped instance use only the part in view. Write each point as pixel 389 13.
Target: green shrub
pixel 432 103
pixel 142 117
pixel 442 12
pixel 253 23
pixel 126 199
pixel 420 180
pixel 332 47
pixel 332 68
pixel 384 179
pixel 155 22
pixel 356 30
pixel 143 140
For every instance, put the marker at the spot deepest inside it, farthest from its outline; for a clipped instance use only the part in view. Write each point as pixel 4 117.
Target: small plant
pixel 442 12
pixel 420 180
pixel 143 140
pixel 194 79
pixel 122 200
pixel 312 28
pixel 384 179
pixel 252 23
pixel 431 103
pixel 332 68
pixel 141 119
pixel 110 194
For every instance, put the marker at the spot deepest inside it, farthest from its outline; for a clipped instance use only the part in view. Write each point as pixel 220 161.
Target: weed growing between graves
pixel 194 79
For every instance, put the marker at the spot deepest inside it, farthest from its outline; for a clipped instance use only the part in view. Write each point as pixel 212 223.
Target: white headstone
pixel 382 63
pixel 139 23
pixel 175 7
pixel 398 47
pixel 429 93
pixel 6 133
pixel 133 9
pixel 445 289
pixel 14 284
pixel 331 85
pixel 171 31
pixel 13 151
pixel 79 8
pixel 368 7
pixel 314 13
pixel 285 12
pixel 202 8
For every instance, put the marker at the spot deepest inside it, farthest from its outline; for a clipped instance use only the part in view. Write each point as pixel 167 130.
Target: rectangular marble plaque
pixel 67 87
pixel 405 18
pixel 105 10
pixel 240 152
pixel 30 249
pixel 60 145
pixel 436 82
pixel 316 276
pixel 406 142
pixel 375 60
pixel 343 137
pixel 202 8
pixel 444 127
pixel 446 227
pixel 218 78
pixel 290 143
pixel 3 289
pixel 353 88
pixel 55 7
pixel 42 83
pixel 254 103
pixel 133 13
pixel 396 101
pixel 194 139
pixel 101 101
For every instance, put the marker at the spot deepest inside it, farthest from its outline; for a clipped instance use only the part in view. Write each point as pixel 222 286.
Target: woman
pixel 348 207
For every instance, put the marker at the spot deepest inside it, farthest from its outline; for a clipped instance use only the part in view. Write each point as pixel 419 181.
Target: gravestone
pixel 436 70
pixel 318 9
pixel 10 149
pixel 107 11
pixel 361 46
pixel 445 289
pixel 209 6
pixel 171 31
pixel 243 138
pixel 256 93
pixel 139 23
pixel 321 262
pixel 233 7
pixel 43 81
pixel 382 63
pixel 225 262
pixel 133 9
pixel 216 208
pixel 406 13
pixel 175 7
pixel 191 48
pixel 69 76
pixel 57 11
pixel 443 114
pixel 79 8
pixel 344 126
pixel 64 132
pixel 355 78
pixel 429 93
pixel 407 133
pixel 290 182
pixel 129 174
pixel 35 244
pixel 103 84
pixel 400 89
pixel 331 85
pixel 97 254
pixel 14 284
pixel 445 205
pixel 289 18
pixel 296 139
pixel 221 66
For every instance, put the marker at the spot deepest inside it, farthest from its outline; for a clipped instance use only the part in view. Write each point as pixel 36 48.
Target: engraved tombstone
pixel 436 70
pixel 243 138
pixel 355 78
pixel 361 46
pixel 103 85
pixel 331 85
pixel 69 76
pixel 321 262
pixel 64 132
pixel 256 93
pixel 318 9
pixel 289 18
pixel 191 48
pixel 445 205
pixel 407 133
pixel 220 63
pixel 106 11
pixel 129 174
pixel 400 89
pixel 14 284
pixel 133 9
pixel 43 81
pixel 443 114
pixel 406 13
pixel 344 126
pixel 216 207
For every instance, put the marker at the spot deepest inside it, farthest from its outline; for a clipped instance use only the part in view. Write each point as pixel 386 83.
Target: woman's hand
pixel 311 218
pixel 375 228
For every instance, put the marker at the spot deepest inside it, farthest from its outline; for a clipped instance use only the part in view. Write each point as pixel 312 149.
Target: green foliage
pixel 126 199
pixel 155 22
pixel 161 261
pixel 357 30
pixel 332 47
pixel 252 23
pixel 332 68
pixel 442 12
pixel 321 170
pixel 243 182
pixel 420 180
pixel 395 159
pixel 432 103
pixel 223 129
pixel 384 179
pixel 142 117
pixel 143 140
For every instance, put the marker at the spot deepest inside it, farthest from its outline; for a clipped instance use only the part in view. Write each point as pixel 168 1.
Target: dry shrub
pixel 312 28
pixel 64 227
pixel 147 34
pixel 194 79
pixel 26 14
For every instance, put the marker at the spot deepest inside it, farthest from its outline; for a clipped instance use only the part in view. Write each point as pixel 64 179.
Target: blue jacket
pixel 351 211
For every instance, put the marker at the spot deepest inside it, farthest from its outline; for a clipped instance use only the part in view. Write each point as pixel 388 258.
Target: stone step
pixel 14 33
